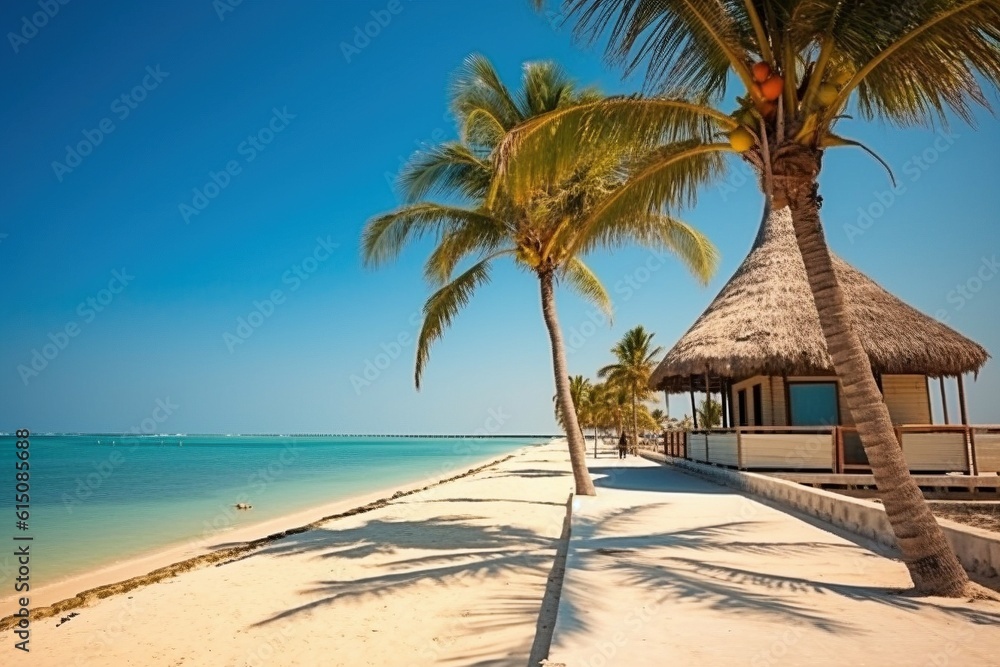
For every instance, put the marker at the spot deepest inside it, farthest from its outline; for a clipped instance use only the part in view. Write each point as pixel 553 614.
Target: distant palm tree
pixel 636 362
pixel 538 231
pixel 660 417
pixel 579 389
pixel 710 413
pixel 620 402
pixel 604 408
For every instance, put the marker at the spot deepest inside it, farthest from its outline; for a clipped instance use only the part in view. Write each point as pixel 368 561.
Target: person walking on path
pixel 622 446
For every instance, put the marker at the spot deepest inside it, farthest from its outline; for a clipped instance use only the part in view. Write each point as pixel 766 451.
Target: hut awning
pixel 764 322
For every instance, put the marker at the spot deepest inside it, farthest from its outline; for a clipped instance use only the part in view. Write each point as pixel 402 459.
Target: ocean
pixel 99 499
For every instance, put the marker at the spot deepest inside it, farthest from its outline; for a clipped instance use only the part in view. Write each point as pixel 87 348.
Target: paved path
pixel 667 569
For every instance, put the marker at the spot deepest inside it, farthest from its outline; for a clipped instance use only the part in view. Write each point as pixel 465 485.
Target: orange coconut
pixel 766 108
pixel 772 88
pixel 761 71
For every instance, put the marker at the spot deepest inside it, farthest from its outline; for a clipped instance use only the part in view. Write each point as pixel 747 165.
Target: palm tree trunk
pixel 595 442
pixel 635 418
pixel 932 563
pixel 577 448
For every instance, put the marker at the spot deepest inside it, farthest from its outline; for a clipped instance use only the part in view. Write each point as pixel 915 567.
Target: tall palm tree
pixel 636 362
pixel 538 229
pixel 799 63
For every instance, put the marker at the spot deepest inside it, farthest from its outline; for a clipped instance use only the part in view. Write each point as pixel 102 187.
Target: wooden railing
pixel 928 448
pixel 675 443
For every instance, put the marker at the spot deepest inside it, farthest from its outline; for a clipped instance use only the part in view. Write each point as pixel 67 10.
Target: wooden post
pixel 694 410
pixel 961 400
pixel 973 468
pixel 739 449
pixel 725 403
pixel 729 403
pixel 839 439
pixel 944 400
pixel 708 395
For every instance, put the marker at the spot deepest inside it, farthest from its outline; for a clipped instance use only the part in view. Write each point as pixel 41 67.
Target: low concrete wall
pixel 979 550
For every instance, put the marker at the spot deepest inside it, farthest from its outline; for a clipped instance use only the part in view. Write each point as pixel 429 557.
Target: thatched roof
pixel 764 321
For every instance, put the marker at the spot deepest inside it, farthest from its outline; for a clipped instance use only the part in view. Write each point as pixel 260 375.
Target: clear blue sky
pixel 309 134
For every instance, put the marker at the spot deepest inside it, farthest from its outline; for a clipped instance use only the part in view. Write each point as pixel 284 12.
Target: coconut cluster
pixel 765 90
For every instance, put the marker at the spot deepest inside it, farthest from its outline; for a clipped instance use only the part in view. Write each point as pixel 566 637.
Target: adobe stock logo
pixel 294 277
pixel 87 310
pixel 122 106
pixel 31 25
pixel 363 35
pixel 248 149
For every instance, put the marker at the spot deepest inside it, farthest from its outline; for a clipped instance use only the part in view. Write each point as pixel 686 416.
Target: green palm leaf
pixel 385 235
pixel 442 307
pixel 583 281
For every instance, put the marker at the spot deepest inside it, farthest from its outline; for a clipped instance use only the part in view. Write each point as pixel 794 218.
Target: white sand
pixel 453 575
pixel 157 558
pixel 662 569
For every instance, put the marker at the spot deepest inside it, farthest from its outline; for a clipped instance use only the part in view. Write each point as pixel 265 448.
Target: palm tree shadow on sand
pixel 463 548
pixel 679 578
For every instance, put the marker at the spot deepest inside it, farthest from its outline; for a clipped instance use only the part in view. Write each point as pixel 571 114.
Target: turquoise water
pixel 99 499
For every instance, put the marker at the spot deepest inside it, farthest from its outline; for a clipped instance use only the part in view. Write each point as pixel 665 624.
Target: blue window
pixel 813 404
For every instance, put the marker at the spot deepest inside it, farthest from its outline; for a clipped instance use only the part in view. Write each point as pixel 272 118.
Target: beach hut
pixel 760 348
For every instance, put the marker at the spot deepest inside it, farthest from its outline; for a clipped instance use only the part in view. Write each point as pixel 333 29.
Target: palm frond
pixel 921 59
pixel 442 307
pixel 682 43
pixel 385 236
pixel 483 105
pixel 544 149
pixel 480 235
pixel 668 177
pixel 448 169
pixel 831 140
pixel 544 87
pixel 659 232
pixel 582 280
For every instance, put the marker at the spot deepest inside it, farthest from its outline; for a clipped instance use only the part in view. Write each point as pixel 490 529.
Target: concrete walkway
pixel 667 569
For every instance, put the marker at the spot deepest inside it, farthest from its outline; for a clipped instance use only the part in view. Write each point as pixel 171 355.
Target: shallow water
pixel 100 499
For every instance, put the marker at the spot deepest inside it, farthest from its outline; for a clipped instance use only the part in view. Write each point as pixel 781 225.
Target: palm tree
pixel 579 390
pixel 800 62
pixel 618 402
pixel 538 230
pixel 636 362
pixel 660 417
pixel 603 409
pixel 710 413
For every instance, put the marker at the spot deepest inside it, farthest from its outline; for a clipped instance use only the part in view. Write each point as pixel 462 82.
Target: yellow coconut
pixel 841 76
pixel 826 94
pixel 741 140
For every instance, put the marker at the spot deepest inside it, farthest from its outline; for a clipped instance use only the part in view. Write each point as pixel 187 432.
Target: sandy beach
pixel 142 564
pixel 453 575
pixel 472 572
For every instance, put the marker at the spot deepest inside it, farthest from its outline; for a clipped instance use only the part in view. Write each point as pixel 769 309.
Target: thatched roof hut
pixel 764 322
